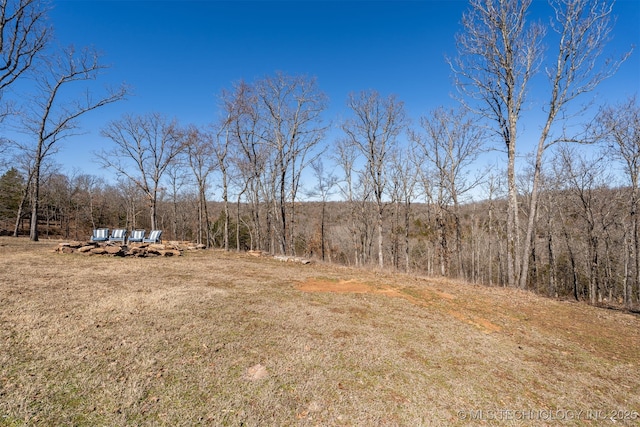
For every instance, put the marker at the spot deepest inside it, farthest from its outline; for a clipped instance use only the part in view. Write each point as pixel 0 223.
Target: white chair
pixel 118 235
pixel 136 236
pixel 154 237
pixel 100 235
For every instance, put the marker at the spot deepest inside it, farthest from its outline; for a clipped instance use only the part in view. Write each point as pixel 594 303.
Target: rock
pixel 114 250
pixel 170 252
pixel 256 372
pixel 137 251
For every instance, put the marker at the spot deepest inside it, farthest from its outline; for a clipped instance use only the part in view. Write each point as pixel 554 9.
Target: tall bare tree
pixel 24 34
pixel 220 139
pixel 52 114
pixel 325 181
pixel 345 157
pixel 177 181
pixel 404 181
pixel 247 153
pixel 144 148
pixel 291 108
pixel 498 55
pixel 500 52
pixel 373 129
pixel 450 143
pixel 201 158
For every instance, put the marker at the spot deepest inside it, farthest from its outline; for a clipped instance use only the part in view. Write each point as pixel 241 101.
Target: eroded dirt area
pixel 422 297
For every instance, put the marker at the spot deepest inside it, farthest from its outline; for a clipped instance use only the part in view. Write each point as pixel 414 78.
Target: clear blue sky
pixel 178 55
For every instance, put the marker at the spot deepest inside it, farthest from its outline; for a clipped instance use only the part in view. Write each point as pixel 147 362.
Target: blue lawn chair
pixel 100 235
pixel 154 237
pixel 118 235
pixel 136 236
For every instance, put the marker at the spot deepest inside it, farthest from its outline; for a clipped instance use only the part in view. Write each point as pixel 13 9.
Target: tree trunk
pixel 636 234
pixel 513 245
pixel 226 216
pixel 35 196
pixel 380 240
pixel 553 290
pixel 407 222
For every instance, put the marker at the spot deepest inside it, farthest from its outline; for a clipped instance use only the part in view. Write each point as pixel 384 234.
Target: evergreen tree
pixel 11 188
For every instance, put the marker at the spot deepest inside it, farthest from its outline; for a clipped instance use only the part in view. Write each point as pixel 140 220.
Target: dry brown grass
pixel 214 338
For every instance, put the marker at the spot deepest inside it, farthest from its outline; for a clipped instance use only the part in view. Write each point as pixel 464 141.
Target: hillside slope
pixel 214 338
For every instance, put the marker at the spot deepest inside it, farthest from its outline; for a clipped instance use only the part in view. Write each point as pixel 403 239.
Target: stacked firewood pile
pixel 131 249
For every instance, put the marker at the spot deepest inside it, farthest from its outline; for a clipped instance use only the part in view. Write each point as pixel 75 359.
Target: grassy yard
pixel 214 338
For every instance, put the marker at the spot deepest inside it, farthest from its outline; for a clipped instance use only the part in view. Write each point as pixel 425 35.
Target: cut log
pixel 287 258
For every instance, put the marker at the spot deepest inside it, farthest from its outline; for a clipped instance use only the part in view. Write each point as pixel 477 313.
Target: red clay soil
pixel 424 299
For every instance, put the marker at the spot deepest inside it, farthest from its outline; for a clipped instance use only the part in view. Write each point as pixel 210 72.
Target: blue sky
pixel 178 55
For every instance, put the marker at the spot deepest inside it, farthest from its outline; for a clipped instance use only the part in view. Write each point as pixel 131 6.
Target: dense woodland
pixel 391 192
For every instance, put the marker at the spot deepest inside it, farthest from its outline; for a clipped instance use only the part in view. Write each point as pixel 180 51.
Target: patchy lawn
pixel 214 338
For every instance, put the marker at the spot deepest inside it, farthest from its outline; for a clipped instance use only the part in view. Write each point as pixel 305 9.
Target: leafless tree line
pixel 585 244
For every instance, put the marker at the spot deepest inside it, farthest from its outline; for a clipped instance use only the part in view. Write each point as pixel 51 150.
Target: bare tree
pixel 134 200
pixel 178 179
pixel 200 156
pixel 404 180
pixel 24 34
pixel 25 164
pixel 325 181
pixel 247 153
pixel 499 53
pixel 221 147
pixel 373 130
pixel 619 126
pixel 451 143
pixel 345 156
pixel 144 148
pixel 51 116
pixel 586 178
pixel 291 111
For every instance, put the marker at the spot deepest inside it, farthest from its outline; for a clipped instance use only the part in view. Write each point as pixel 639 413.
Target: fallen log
pixel 287 258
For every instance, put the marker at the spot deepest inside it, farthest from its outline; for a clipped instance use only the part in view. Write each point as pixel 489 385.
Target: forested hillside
pixel 583 247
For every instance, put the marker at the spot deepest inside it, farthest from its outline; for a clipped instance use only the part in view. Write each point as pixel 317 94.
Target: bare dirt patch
pixel 339 286
pixel 422 298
